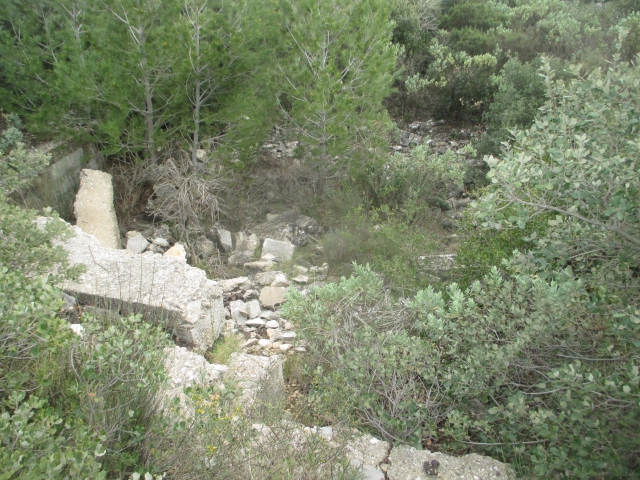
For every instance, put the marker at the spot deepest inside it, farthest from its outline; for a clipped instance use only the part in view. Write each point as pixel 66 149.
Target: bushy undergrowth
pixel 535 363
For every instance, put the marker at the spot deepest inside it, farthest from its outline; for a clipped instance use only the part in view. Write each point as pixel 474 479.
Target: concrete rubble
pixel 94 210
pixel 180 295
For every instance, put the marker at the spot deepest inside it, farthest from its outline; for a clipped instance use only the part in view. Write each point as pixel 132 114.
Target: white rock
pixel 161 242
pixel 238 311
pixel 255 322
pixel 302 279
pixel 302 270
pixel 272 296
pixel 285 346
pixel 77 329
pixel 224 237
pixel 264 342
pixel 249 343
pixel 273 333
pixel 272 324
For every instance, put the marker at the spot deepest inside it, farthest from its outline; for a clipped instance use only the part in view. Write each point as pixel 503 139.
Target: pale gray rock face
pixel 272 296
pixel 260 265
pixel 137 244
pixel 407 462
pixel 225 239
pixel 260 379
pixel 94 209
pixel 280 281
pixel 186 369
pixel 281 251
pixel 166 289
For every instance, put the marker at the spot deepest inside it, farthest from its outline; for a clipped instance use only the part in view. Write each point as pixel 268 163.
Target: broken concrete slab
pixel 407 462
pixel 260 379
pixel 94 209
pixel 167 290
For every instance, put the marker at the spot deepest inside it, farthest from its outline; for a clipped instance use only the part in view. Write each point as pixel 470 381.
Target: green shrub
pixel 17 164
pixel 367 369
pixel 629 31
pixel 460 82
pixel 520 92
pixel 38 443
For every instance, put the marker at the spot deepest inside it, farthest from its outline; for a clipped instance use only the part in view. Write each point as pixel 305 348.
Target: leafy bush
pixel 629 31
pixel 421 178
pixel 520 92
pixel 17 164
pixel 578 162
pixel 459 81
pixel 367 368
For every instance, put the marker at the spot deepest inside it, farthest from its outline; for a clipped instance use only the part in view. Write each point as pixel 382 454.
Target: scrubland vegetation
pixel 526 351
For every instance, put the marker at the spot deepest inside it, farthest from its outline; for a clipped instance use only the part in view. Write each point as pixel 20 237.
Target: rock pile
pixel 253 310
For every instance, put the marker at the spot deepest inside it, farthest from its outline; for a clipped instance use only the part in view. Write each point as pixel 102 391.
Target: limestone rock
pixel 94 209
pixel 407 462
pixel 238 311
pixel 255 322
pixel 266 278
pixel 179 295
pixel 368 453
pixel 260 265
pixel 272 296
pixel 281 251
pixel 301 279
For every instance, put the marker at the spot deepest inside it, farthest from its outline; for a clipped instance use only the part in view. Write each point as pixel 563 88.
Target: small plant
pixel 223 348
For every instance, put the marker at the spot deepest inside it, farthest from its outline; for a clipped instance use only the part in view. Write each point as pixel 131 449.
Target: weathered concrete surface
pixel 368 453
pixel 408 463
pixel 171 291
pixel 260 379
pixel 94 209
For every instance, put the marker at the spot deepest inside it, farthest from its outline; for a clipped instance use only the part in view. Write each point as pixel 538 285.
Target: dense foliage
pixel 537 363
pixel 531 357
